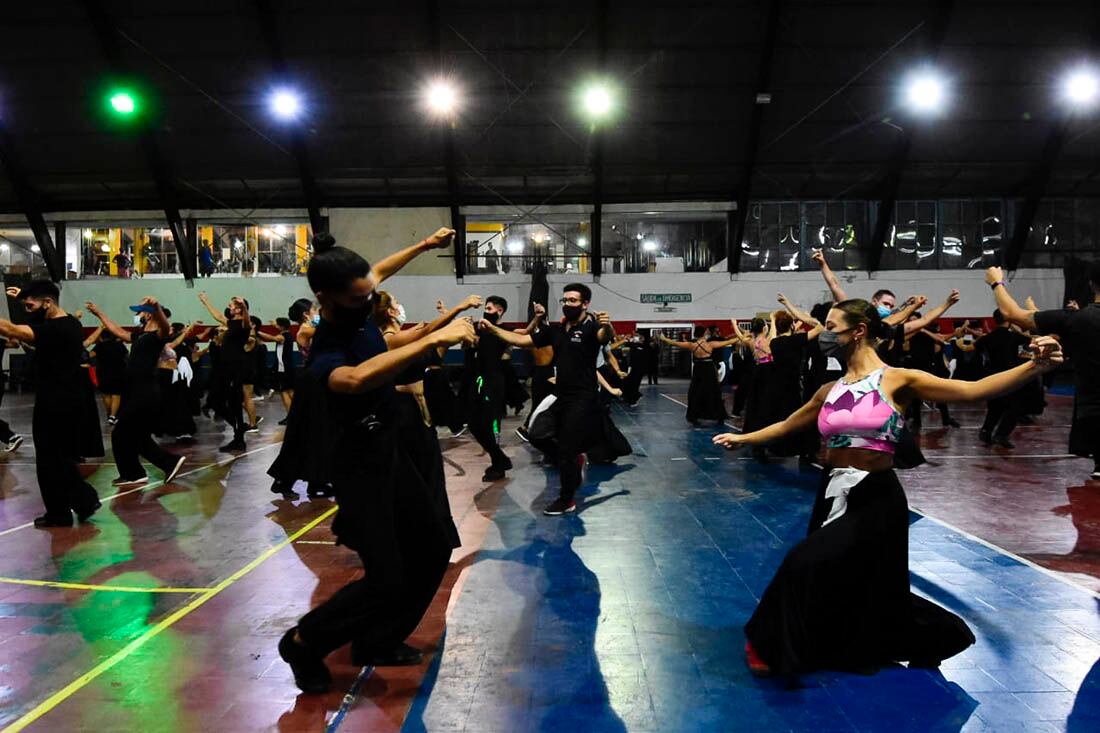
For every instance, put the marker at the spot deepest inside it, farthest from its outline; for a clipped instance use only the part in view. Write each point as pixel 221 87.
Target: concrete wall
pixel 375 233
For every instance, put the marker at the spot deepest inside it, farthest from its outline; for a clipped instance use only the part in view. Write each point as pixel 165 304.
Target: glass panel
pixel 19 254
pixel 839 228
pixel 972 234
pixel 497 245
pixel 912 244
pixel 663 241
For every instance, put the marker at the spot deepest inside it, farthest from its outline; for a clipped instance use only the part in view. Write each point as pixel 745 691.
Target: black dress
pixel 110 366
pixel 781 394
pixel 704 392
pixel 841 598
pixel 443 404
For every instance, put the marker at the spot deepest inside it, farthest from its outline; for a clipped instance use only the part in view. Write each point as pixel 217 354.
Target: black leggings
pixel 132 438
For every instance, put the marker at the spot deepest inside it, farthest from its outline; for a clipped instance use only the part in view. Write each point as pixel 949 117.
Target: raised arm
pixel 164 328
pixel 117 330
pixel 908 308
pixel 214 312
pixel 408 335
pixel 685 345
pixel 606 334
pixel 389 266
pixel 24 334
pixel 93 336
pixel 924 386
pixel 185 334
pixel 933 315
pixel 382 368
pixel 830 277
pixel 1013 313
pixel 801 419
pixel 540 316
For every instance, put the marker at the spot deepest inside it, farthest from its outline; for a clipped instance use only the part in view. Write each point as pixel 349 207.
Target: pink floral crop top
pixel 858 415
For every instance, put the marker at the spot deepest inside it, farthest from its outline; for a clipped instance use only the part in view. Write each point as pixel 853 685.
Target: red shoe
pixel 756 665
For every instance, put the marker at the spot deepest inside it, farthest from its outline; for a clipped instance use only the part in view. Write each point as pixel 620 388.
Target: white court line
pixel 1045 571
pixel 155 484
pixel 932 456
pixel 728 424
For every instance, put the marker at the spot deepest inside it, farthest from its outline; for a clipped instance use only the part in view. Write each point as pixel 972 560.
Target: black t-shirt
pixel 236 338
pixel 1001 349
pixel 575 350
pixel 336 346
pixel 787 354
pixel 110 357
pixel 487 356
pixel 144 355
pixel 921 353
pixel 1080 332
pixel 892 350
pixel 59 347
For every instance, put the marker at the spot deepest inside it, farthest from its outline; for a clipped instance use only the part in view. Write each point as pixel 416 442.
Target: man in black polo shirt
pixel 488 390
pixel 1079 332
pixel 1001 349
pixel 576 340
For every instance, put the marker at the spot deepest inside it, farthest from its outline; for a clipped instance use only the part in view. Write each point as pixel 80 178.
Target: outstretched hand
pixel 994 275
pixel 954 298
pixel 13 292
pixel 1046 352
pixel 729 441
pixel 457 331
pixel 603 318
pixel 818 257
pixel 471 302
pixel 540 310
pixel 442 238
pixel 782 298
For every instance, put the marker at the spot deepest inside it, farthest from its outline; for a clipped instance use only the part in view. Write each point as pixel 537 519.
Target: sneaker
pixel 127 482
pixel 522 433
pixel 560 506
pixel 1002 441
pixel 15 442
pixel 985 437
pixel 254 428
pixel 1095 475
pixel 493 473
pixel 112 420
pixel 462 431
pixel 169 475
pixel 310 673
pixel 235 446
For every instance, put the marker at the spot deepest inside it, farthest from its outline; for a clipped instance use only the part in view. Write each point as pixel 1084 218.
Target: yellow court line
pixel 80 682
pixel 115 588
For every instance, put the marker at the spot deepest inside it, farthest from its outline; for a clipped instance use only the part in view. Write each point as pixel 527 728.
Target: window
pixel 499 244
pixel 972 234
pixel 912 244
pixel 19 253
pixel 840 229
pixel 1062 227
pixel 669 241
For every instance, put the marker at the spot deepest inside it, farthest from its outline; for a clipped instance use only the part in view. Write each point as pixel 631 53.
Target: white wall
pixel 375 233
pixel 714 295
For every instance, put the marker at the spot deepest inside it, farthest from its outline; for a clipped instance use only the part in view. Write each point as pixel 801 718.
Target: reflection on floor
pixel 624 617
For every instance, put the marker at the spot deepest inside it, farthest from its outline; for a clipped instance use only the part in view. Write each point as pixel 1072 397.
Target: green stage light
pixel 123 103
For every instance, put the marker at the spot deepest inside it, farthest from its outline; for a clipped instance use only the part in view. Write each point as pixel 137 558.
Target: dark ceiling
pixel 688 73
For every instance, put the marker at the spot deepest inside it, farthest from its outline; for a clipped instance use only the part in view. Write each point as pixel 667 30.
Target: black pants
pixel 379 616
pixel 231 407
pixel 1001 415
pixel 540 388
pixel 57 466
pixel 488 409
pixel 6 433
pixel 579 423
pixel 651 371
pixel 133 437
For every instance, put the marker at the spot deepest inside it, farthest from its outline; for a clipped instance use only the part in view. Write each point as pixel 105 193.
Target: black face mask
pixel 572 312
pixel 354 318
pixel 490 317
pixel 37 315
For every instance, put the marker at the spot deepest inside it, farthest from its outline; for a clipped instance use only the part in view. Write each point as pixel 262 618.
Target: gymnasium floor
pixel 163 613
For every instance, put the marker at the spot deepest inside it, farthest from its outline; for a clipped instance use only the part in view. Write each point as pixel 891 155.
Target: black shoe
pixel 323 492
pixel 278 487
pixel 46 521
pixel 402 655
pixel 1003 441
pixel 282 422
pixel 1095 475
pixel 310 673
pixel 493 473
pixel 83 515
pixel 235 446
pixel 951 423
pixel 985 437
pixel 560 506
pixel 506 463
pixel 522 433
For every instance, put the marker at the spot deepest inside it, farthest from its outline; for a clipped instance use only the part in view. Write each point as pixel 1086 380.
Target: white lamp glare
pixel 285 104
pixel 1082 87
pixel 597 101
pixel 582 241
pixel 926 93
pixel 35 248
pixel 442 97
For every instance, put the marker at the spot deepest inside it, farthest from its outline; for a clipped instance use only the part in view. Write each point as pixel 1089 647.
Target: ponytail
pixel 332 269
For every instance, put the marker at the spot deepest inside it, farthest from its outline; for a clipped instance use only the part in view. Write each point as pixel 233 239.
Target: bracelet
pixel 993 286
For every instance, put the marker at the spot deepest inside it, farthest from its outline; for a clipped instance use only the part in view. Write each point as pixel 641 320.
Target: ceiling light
pixel 1081 87
pixel 926 92
pixel 285 104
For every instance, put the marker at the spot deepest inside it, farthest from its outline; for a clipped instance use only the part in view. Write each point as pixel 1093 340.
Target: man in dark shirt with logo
pixel 489 390
pixel 1079 332
pixel 1001 350
pixel 576 340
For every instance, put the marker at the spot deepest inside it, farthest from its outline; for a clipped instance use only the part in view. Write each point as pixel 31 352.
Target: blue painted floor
pixel 628 615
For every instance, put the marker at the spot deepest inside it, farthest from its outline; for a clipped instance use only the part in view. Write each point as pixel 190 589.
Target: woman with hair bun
pixel 349 430
pixel 841 598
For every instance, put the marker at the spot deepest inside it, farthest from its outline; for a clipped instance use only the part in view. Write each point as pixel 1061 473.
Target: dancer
pixel 1002 350
pixel 8 437
pixel 142 400
pixel 652 350
pixel 284 341
pixel 841 598
pixel 233 367
pixel 489 390
pixel 705 392
pixel 59 440
pixel 175 417
pixel 444 407
pixel 1080 330
pixel 542 370
pixel 256 380
pixel 401 527
pixel 576 340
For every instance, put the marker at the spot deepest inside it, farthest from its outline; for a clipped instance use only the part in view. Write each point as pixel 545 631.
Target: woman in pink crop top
pixel 841 598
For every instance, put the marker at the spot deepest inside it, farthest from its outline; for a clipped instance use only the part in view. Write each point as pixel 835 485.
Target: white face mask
pixel 137 320
pixel 401 317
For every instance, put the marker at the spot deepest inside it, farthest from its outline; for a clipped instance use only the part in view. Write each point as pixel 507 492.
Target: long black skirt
pixel 705 393
pixel 174 417
pixel 841 598
pixel 443 405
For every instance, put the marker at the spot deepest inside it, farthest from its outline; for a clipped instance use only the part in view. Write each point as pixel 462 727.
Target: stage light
pixel 35 248
pixel 926 92
pixel 285 104
pixel 442 97
pixel 514 245
pixel 280 230
pixel 88 234
pixel 598 101
pixel 1081 87
pixel 104 247
pixel 122 102
pixel 582 241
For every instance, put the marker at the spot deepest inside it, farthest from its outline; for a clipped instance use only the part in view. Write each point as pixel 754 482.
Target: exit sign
pixel 666 298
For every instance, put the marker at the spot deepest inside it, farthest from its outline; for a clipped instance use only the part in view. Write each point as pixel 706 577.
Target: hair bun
pixel 323 241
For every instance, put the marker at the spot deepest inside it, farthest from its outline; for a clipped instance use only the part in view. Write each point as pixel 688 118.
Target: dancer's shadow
pixel 1085 715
